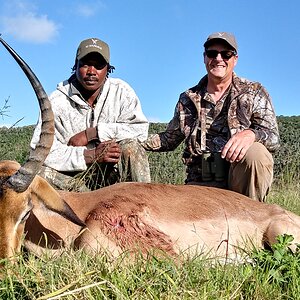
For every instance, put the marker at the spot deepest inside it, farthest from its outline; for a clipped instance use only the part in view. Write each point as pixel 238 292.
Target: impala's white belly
pixel 213 238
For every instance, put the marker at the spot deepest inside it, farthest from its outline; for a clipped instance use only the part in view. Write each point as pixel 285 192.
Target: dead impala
pixel 127 216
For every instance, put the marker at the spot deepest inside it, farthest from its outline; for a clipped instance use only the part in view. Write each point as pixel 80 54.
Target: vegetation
pixel 167 166
pixel 271 274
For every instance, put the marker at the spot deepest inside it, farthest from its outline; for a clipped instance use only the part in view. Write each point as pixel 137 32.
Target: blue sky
pixel 156 46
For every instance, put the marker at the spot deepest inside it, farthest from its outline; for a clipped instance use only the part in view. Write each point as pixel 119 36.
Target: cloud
pixel 38 29
pixel 23 23
pixel 89 9
pixel 85 10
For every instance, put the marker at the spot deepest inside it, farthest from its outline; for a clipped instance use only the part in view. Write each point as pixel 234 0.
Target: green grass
pixel 75 275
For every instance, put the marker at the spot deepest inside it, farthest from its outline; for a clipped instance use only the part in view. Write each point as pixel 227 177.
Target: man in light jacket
pixel 99 125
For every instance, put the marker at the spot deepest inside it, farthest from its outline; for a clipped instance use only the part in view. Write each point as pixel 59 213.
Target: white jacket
pixel 117 115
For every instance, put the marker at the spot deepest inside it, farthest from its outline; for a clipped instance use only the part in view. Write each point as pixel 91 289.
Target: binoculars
pixel 213 167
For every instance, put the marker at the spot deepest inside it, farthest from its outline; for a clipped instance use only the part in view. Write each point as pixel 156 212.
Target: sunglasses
pixel 225 54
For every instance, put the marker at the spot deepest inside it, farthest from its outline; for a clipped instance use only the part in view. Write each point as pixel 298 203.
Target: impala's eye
pixel 26 214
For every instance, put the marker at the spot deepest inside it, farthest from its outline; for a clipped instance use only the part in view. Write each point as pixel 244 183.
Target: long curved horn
pixel 21 180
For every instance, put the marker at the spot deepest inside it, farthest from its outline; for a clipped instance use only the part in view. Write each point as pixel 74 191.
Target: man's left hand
pixel 79 139
pixel 236 148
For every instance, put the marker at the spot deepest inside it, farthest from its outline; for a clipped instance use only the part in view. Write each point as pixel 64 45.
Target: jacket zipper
pixel 92 117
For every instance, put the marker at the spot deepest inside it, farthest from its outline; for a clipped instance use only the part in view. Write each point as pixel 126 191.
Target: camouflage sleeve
pixel 167 140
pixel 264 123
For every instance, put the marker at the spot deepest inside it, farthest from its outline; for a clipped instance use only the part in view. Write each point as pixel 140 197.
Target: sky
pixel 156 46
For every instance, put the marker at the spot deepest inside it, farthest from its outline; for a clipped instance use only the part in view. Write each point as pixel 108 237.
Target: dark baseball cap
pixel 225 36
pixel 93 45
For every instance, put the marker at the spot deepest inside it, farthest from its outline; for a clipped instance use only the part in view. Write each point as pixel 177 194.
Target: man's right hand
pixel 82 138
pixel 79 139
pixel 237 146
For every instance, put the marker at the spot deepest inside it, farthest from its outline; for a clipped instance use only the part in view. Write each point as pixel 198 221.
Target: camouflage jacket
pixel 248 106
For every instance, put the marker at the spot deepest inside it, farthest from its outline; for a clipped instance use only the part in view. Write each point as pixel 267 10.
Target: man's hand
pixel 108 152
pixel 84 137
pixel 79 139
pixel 236 148
pixel 105 152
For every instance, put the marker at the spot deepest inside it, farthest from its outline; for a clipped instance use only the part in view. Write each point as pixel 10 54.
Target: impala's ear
pixel 50 198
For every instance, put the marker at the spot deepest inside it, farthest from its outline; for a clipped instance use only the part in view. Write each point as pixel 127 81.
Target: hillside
pixel 167 167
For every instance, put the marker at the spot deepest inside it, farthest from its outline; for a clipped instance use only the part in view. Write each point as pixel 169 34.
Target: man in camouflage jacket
pixel 228 119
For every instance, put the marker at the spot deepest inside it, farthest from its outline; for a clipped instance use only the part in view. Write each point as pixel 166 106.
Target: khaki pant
pixel 253 175
pixel 133 166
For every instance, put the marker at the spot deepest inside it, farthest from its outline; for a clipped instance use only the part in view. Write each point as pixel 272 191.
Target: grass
pixel 286 195
pixel 75 275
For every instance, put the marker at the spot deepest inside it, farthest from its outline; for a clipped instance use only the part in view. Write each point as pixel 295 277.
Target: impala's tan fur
pixel 175 219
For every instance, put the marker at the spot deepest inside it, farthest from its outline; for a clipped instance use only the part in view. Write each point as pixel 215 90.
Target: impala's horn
pixel 21 180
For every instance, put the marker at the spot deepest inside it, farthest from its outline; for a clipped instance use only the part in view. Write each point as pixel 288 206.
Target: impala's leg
pixel 93 240
pixel 286 223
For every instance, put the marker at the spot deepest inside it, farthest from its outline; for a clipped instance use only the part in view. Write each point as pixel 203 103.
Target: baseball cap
pixel 93 45
pixel 225 36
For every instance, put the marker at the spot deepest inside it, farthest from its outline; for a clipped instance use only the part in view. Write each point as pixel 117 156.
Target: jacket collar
pixel 68 88
pixel 238 87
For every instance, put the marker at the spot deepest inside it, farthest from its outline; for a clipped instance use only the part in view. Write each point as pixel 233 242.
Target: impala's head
pixel 14 210
pixel 19 184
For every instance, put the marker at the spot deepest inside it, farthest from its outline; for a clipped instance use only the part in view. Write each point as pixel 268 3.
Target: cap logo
pixel 94 44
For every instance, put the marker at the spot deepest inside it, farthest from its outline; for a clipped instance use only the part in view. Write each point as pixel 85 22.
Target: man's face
pixel 91 71
pixel 219 67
